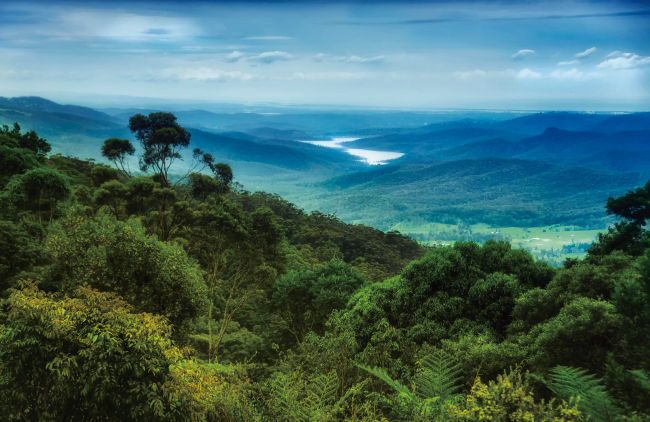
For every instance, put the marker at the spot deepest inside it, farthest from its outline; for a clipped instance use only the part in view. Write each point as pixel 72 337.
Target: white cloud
pixel 569 63
pixel 528 74
pixel 519 55
pixel 234 56
pixel 481 74
pixel 204 74
pixel 272 37
pixel 615 54
pixel 357 59
pixel 624 61
pixel 271 56
pixel 320 57
pixel 586 53
pixel 478 73
pixel 330 76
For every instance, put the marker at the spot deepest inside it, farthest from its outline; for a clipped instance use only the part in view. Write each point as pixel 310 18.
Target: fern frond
pixel 440 377
pixel 382 375
pixel 321 393
pixel 643 378
pixel 567 382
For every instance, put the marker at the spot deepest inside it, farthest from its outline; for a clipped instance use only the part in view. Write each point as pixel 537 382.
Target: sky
pixel 517 55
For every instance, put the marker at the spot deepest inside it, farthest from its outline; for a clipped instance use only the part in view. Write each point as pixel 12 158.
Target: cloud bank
pixel 623 61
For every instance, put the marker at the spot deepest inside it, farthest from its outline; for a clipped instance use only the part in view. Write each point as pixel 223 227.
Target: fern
pixel 440 377
pixel 382 375
pixel 642 378
pixel 435 385
pixel 567 382
pixel 321 394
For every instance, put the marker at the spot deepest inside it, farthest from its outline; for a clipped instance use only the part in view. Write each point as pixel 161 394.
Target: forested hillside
pixel 163 296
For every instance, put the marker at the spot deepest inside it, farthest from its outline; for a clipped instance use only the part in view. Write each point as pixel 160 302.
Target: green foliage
pixel 434 386
pixel 101 174
pixel 14 159
pixel 629 379
pixel 320 238
pixel 509 399
pixel 162 139
pixel 37 190
pixel 118 256
pixel 18 252
pixel 116 150
pixel 633 206
pixel 440 376
pixel 83 357
pixel 594 280
pixel 304 300
pixel 29 140
pixel 572 383
pixel 451 292
pixel 111 194
pixel 581 335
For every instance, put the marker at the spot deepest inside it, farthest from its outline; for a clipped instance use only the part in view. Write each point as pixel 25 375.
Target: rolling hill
pixel 498 191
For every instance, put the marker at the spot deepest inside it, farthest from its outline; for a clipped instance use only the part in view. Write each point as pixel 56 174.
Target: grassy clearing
pixel 551 243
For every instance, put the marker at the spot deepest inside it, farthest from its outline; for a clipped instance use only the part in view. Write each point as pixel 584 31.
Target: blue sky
pixel 559 55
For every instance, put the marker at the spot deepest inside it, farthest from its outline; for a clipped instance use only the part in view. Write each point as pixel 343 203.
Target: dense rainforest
pixel 154 296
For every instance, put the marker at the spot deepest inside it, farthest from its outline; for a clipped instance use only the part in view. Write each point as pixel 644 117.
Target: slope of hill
pixel 620 123
pixel 562 146
pixel 286 154
pixel 423 143
pixel 499 191
pixel 618 160
pixel 270 133
pixel 68 133
pixel 538 123
pixel 41 104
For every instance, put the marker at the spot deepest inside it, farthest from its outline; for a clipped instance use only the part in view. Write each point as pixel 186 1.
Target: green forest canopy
pixel 129 298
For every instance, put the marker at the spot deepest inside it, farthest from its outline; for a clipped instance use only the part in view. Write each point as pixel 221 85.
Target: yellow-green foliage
pixel 81 357
pixel 118 256
pixel 509 399
pixel 212 392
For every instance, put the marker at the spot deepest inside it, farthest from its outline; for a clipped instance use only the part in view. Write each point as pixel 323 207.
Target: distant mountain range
pixel 505 169
pixel 41 104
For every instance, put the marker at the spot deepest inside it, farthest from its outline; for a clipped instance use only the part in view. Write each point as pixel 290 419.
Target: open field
pixel 547 242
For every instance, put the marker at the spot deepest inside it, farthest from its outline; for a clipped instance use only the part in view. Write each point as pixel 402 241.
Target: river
pixel 368 156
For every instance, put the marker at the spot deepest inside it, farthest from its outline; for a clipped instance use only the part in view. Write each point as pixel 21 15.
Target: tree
pixel 37 188
pixel 628 235
pixel 116 150
pixel 117 256
pixel 629 377
pixel 29 140
pixel 633 206
pixel 101 174
pixel 241 255
pixel 306 299
pixel 85 357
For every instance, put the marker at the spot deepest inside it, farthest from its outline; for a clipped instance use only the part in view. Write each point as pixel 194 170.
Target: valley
pixel 406 171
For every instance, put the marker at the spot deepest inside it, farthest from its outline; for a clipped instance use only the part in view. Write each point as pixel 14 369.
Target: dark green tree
pixel 29 140
pixel 628 235
pixel 116 151
pixel 305 299
pixel 37 190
